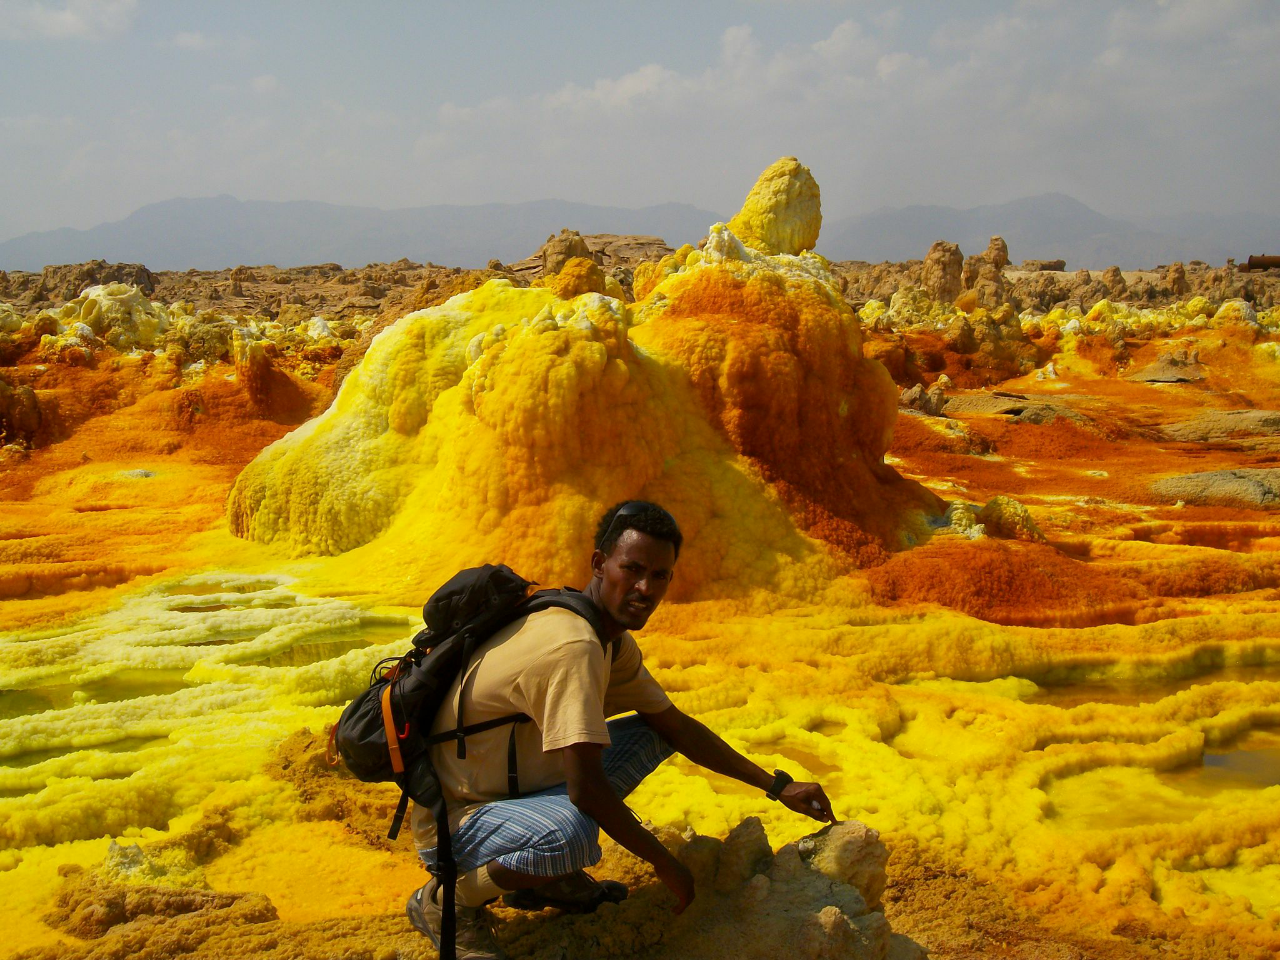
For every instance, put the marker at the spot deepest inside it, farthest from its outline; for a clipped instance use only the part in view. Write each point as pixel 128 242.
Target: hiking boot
pixel 473 935
pixel 577 893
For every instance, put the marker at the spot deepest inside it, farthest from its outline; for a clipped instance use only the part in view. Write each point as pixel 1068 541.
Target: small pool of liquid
pixel 125 685
pixel 1132 692
pixel 330 646
pixel 808 761
pixel 1119 797
pixel 1250 762
pixel 203 588
pixel 1111 798
pixel 123 745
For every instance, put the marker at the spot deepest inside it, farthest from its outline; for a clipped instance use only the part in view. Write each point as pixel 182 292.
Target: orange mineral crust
pixel 1005 581
pixel 136 467
pixel 779 369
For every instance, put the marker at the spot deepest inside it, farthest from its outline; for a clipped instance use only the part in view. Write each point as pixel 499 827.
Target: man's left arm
pixel 700 744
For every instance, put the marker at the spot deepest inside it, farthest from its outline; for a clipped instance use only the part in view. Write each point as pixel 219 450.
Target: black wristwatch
pixel 780 781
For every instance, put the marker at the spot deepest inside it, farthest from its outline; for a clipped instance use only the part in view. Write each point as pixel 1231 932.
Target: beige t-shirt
pixel 551 667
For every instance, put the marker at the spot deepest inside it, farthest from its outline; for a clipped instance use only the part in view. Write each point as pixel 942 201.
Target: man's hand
pixel 809 799
pixel 590 791
pixel 678 880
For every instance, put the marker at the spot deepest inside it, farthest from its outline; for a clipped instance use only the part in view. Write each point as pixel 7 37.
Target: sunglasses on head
pixel 629 509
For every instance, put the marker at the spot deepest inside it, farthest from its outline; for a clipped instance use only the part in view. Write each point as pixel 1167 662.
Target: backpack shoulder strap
pixel 574 601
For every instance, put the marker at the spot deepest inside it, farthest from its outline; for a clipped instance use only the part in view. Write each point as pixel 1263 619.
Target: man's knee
pixel 570 843
pixel 637 751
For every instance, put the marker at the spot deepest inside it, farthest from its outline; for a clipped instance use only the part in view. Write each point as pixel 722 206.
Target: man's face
pixel 634 577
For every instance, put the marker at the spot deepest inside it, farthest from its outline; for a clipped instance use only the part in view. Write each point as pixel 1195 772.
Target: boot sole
pixel 532 900
pixel 418 920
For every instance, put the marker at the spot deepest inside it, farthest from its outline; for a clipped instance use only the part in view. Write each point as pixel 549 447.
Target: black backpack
pixel 382 735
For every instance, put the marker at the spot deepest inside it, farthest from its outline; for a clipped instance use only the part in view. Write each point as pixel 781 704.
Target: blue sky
pixel 1136 109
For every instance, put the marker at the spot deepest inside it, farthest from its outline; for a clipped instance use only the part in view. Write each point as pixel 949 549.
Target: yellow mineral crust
pixel 501 423
pixel 497 425
pixel 578 276
pixel 783 211
pixel 118 314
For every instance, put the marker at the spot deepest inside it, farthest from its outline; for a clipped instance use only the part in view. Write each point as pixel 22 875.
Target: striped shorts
pixel 543 834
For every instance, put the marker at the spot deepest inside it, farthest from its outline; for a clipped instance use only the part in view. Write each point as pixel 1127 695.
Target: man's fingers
pixel 825 805
pixel 811 800
pixel 821 806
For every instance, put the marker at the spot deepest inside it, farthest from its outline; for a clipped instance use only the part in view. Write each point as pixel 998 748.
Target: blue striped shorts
pixel 544 834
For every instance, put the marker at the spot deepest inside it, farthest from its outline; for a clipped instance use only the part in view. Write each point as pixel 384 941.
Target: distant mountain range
pixel 217 232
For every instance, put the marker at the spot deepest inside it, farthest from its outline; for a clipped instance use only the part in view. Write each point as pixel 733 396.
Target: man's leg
pixel 530 841
pixel 541 836
pixel 634 752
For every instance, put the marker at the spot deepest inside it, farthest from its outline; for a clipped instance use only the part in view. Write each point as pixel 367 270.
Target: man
pixel 573 767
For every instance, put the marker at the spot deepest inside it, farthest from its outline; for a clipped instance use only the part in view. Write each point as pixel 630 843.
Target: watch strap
pixel 780 781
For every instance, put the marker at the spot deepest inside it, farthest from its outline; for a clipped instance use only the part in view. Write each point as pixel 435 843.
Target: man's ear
pixel 598 557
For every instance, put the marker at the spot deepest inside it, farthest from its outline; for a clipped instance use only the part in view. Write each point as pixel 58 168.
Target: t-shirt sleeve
pixel 563 691
pixel 631 686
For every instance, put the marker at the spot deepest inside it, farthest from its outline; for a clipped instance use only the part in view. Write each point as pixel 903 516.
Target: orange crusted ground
pixel 132 465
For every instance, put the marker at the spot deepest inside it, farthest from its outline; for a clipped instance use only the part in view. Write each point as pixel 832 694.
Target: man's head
pixel 636 547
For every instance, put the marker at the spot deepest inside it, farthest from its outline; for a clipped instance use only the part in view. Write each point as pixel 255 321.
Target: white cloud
pixel 891 63
pixel 992 107
pixel 1119 109
pixel 194 40
pixel 73 18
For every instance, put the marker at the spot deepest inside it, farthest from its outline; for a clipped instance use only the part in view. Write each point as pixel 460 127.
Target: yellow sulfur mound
pixel 783 211
pixel 1006 517
pixel 578 276
pixel 10 320
pixel 117 313
pixel 501 423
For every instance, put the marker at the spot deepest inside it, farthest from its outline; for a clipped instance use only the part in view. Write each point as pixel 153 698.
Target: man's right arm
pixel 591 792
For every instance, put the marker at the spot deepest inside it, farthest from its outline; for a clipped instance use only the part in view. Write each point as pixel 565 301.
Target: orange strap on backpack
pixel 331 751
pixel 389 723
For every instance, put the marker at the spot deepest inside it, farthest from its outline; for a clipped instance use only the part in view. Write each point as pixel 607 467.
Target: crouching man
pixel 527 829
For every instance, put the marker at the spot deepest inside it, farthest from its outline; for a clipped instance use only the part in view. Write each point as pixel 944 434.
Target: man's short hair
pixel 636 515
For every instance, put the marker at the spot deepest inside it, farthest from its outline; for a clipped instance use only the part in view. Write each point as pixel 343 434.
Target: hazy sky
pixel 1136 109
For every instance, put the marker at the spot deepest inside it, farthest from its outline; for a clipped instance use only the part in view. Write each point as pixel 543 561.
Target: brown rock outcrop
pixel 559 250
pixel 942 271
pixel 618 255
pixel 990 286
pixel 253 367
pixel 20 414
pixel 68 281
pixel 998 252
pixel 1177 366
pixel 1175 279
pixel 1113 279
pixel 1042 290
pixel 928 401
